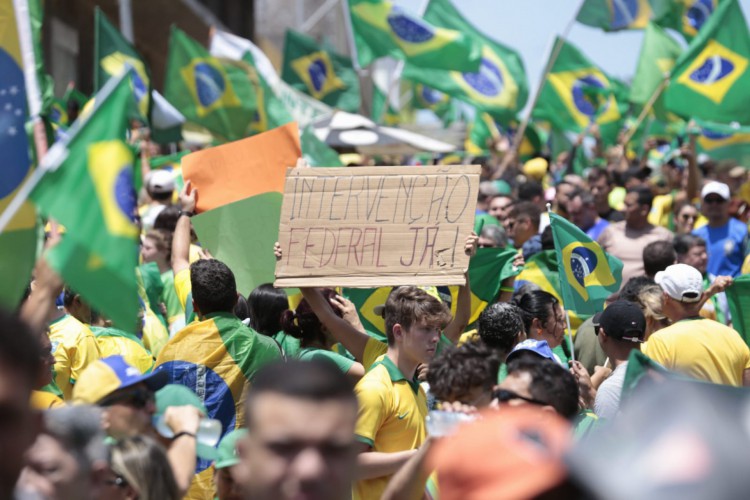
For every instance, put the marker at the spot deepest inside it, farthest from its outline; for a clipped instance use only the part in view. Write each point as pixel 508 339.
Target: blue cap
pixel 538 347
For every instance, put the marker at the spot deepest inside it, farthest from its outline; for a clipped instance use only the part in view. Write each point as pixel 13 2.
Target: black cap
pixel 622 320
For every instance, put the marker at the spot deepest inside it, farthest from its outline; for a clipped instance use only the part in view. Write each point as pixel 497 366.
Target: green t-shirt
pixel 288 344
pixel 310 353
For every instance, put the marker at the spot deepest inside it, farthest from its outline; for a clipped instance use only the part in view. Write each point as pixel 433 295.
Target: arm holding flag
pixel 181 239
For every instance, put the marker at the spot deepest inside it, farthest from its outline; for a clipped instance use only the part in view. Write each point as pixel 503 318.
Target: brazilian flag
pixel 724 142
pixel 498 87
pixel 112 54
pixel 588 275
pixel 316 152
pixel 615 15
pixel 320 73
pixel 383 29
pixel 684 16
pixel 577 93
pixel 88 188
pixel 214 93
pixel 711 80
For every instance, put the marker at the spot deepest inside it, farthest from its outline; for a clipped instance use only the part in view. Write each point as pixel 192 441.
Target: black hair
pixel 657 256
pixel 586 196
pixel 160 196
pixel 167 219
pixel 68 296
pixel 682 243
pixel 633 287
pixel 214 287
pixel 499 325
pixel 266 303
pixel 597 173
pixel 19 347
pixel 530 190
pixel 550 383
pixel 310 380
pixel 458 370
pixel 241 309
pixel 645 196
pixel 536 304
pixel 526 209
pixel 303 323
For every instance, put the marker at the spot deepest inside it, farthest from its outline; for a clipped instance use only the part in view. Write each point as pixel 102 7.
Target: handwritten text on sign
pixel 376 226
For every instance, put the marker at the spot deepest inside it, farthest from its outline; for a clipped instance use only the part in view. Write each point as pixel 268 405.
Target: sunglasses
pixel 711 200
pixel 504 395
pixel 138 399
pixel 688 217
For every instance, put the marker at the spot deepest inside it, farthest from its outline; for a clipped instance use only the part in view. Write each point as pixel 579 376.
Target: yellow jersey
pixel 74 347
pixel 112 341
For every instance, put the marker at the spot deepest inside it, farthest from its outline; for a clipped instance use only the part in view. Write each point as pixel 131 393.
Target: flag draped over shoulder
pixel 499 87
pixel 614 15
pixel 18 240
pixel 320 73
pixel 383 29
pixel 588 275
pixel 89 190
pixel 112 54
pixel 659 52
pixel 578 93
pixel 684 16
pixel 738 296
pixel 215 94
pixel 711 80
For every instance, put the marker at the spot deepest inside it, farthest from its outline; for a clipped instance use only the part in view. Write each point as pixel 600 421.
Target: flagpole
pixel 57 153
pixel 567 315
pixel 316 16
pixel 646 108
pixel 350 36
pixel 557 47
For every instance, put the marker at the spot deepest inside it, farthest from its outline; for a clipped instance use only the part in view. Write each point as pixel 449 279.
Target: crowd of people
pixel 218 395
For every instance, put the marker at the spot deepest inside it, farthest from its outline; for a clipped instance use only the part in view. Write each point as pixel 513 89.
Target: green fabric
pixel 685 17
pixel 724 142
pixel 271 112
pixel 227 450
pixel 52 388
pixel 639 366
pixel 382 29
pixel 153 284
pixel 169 295
pixel 320 73
pixel 659 52
pixel 249 349
pixel 588 275
pixel 289 344
pixel 395 374
pixel 738 296
pixel 316 152
pixel 577 93
pixel 711 79
pixel 614 16
pixel 585 422
pixel 98 253
pixel 17 256
pixel 310 353
pixel 112 53
pixel 100 331
pixel 501 99
pixel 215 94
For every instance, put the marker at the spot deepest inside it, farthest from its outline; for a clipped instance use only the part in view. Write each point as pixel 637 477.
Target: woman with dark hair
pixel 543 317
pixel 315 339
pixel 265 306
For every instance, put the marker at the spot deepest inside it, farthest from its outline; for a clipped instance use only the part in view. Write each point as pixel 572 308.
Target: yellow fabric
pixel 746 266
pixel 391 418
pixel 744 193
pixel 194 253
pixel 155 334
pixel 42 400
pixel 469 336
pixel 661 209
pixel 202 486
pixel 701 348
pixel 134 353
pixel 374 350
pixel 74 348
pixel 182 286
pixel 617 198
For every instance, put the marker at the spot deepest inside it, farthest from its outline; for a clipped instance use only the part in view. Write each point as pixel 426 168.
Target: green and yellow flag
pixel 320 73
pixel 499 87
pixel 659 52
pixel 684 16
pixel 88 188
pixel 578 93
pixel 213 93
pixel 738 296
pixel 711 80
pixel 615 15
pixel 588 275
pixel 383 29
pixel 19 238
pixel 316 152
pixel 724 142
pixel 112 54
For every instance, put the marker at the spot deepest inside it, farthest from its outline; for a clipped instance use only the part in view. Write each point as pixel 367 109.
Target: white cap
pixel 714 187
pixel 160 181
pixel 681 282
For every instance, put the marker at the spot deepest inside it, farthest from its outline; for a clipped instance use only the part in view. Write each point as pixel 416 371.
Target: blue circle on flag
pixel 318 72
pixel 409 29
pixel 581 101
pixel 431 96
pixel 698 13
pixel 13 141
pixel 124 192
pixel 712 70
pixel 139 86
pixel 488 81
pixel 211 388
pixel 582 262
pixel 623 13
pixel 209 84
pixel 715 135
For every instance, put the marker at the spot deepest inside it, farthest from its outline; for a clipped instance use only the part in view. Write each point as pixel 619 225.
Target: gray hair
pixel 496 234
pixel 78 428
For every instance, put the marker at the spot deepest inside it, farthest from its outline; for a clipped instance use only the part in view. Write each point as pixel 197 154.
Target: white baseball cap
pixel 160 181
pixel 681 282
pixel 715 187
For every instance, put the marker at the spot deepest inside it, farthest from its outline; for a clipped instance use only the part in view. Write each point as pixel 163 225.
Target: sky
pixel 529 26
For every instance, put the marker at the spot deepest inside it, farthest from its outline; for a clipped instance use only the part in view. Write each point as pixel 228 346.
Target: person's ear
pixel 603 334
pixel 549 409
pixel 536 325
pixel 398 332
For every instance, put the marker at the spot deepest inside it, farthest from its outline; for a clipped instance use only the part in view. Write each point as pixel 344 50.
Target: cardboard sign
pixel 376 226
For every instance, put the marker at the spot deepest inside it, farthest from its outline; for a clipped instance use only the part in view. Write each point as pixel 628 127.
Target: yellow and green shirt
pixel 74 348
pixel 112 341
pixel 391 418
